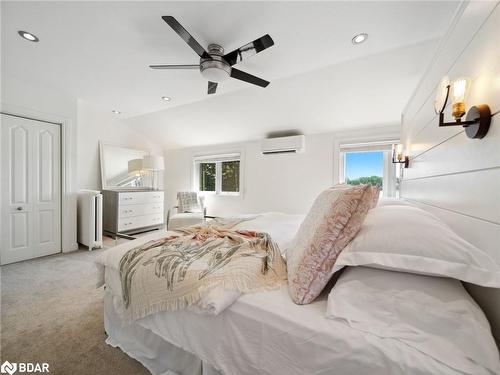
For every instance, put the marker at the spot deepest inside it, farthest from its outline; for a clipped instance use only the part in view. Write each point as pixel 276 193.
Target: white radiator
pixel 89 208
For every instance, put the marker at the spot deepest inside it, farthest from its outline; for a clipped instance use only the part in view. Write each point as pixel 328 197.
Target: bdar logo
pixel 8 367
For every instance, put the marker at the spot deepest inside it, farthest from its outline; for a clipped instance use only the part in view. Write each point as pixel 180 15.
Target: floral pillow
pixel 375 195
pixel 332 222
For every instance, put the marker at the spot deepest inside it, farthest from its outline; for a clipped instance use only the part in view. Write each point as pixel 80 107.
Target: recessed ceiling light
pixel 360 38
pixel 28 36
pixel 116 112
pixel 166 98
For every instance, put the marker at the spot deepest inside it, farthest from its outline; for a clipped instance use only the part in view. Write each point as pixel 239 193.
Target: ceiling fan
pixel 214 65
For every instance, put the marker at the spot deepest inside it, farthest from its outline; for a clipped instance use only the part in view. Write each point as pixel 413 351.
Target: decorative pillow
pixel 375 195
pixel 433 315
pixel 375 192
pixel 187 201
pixel 409 239
pixel 333 220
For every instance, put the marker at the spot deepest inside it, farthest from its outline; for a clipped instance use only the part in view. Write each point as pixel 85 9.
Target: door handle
pixel 19 208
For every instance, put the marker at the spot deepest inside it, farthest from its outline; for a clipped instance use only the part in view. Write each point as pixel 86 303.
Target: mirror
pixel 115 167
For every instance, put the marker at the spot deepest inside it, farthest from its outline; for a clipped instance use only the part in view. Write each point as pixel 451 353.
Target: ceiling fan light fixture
pixel 215 71
pixel 28 36
pixel 360 38
pixel 166 98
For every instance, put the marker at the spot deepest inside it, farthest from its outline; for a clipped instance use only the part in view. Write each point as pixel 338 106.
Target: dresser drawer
pixel 140 197
pixel 128 223
pixel 129 210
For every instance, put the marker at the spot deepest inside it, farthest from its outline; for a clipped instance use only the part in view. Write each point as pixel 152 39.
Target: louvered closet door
pixel 31 189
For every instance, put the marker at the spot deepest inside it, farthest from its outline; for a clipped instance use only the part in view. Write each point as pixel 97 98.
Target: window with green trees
pixel 206 176
pixel 220 174
pixel 230 176
pixel 364 167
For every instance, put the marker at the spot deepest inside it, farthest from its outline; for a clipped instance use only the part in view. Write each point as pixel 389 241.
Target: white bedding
pixel 266 333
pixel 261 333
pixel 434 315
pixel 281 228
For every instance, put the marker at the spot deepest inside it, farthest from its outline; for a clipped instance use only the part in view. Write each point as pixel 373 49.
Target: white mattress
pixel 266 333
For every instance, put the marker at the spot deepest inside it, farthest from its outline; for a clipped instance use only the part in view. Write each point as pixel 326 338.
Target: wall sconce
pixel 398 156
pixel 478 118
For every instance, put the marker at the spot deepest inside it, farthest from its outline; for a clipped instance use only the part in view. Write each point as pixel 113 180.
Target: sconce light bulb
pixel 399 152
pixel 459 91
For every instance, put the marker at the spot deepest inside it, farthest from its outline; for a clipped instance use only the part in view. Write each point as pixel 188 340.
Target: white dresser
pixel 130 211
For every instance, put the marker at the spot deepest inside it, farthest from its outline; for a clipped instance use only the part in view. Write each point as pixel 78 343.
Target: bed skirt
pixel 153 352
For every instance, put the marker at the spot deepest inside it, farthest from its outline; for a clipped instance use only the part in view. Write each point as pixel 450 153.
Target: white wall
pixel 83 126
pixel 287 182
pixel 95 124
pixel 451 175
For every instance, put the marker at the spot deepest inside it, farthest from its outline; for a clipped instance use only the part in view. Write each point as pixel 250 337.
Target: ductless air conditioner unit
pixel 283 145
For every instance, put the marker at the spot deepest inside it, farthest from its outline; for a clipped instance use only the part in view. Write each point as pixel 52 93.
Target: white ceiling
pixel 99 51
pixel 370 91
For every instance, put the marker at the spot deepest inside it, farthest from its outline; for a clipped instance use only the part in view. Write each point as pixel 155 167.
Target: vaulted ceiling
pixel 320 81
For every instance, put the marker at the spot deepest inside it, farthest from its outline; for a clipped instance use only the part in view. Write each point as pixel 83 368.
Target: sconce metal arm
pixel 477 120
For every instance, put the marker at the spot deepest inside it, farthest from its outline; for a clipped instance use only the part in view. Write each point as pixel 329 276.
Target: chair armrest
pixel 171 211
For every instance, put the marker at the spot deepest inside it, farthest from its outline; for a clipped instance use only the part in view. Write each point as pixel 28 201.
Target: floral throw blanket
pixel 172 273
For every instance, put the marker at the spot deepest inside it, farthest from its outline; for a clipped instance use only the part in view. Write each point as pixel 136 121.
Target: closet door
pixel 31 189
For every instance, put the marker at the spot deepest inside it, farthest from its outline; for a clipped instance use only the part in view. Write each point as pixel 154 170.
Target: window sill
pixel 221 194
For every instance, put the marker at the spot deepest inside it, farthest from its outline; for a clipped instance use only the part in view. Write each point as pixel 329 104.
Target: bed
pixel 263 332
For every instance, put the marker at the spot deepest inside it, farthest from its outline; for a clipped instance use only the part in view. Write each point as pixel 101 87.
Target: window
pixel 207 176
pixel 230 176
pixel 218 174
pixel 368 163
pixel 364 168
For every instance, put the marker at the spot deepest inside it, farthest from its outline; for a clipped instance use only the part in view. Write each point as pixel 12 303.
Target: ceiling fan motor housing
pixel 215 69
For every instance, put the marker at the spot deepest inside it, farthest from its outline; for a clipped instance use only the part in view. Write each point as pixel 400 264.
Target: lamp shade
pixel 153 163
pixel 135 167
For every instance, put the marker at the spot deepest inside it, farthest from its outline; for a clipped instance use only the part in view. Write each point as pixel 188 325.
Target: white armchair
pixel 190 210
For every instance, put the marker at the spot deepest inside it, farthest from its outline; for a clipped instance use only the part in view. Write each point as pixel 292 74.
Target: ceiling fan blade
pixel 182 32
pixel 212 87
pixel 242 76
pixel 249 50
pixel 174 66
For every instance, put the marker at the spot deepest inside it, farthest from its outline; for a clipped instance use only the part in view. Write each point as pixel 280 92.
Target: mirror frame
pixel 104 186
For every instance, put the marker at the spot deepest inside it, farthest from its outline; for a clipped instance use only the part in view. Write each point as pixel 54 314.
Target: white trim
pixel 377 145
pixel 232 156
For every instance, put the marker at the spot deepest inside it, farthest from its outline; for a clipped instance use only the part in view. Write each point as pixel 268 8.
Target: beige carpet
pixel 51 312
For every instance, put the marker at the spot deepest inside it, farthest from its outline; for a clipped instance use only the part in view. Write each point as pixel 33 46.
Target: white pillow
pixel 406 238
pixel 392 202
pixel 433 315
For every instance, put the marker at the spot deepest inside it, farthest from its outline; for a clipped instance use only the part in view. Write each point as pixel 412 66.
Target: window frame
pixel 218 159
pixel 389 169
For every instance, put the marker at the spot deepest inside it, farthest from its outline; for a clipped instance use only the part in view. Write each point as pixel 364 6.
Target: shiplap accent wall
pixel 450 175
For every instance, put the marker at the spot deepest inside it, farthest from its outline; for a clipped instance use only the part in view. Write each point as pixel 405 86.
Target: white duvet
pixel 281 228
pixel 266 333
